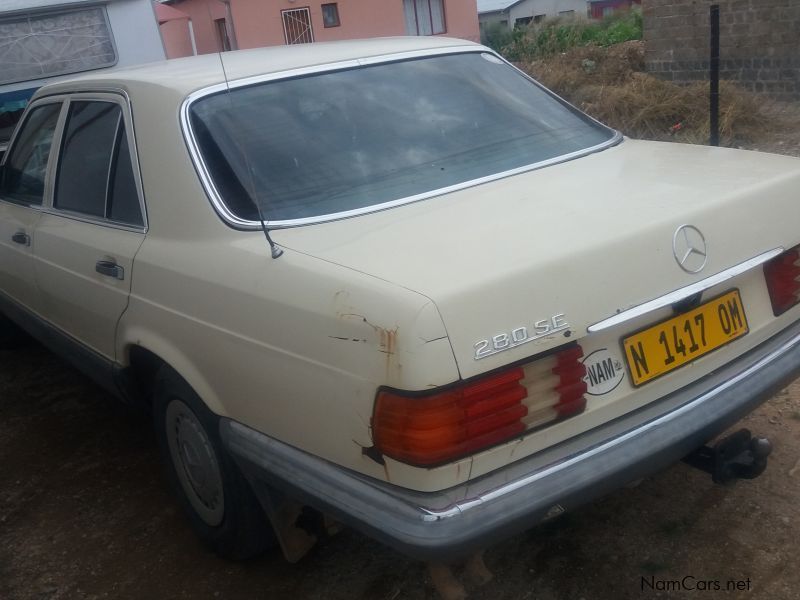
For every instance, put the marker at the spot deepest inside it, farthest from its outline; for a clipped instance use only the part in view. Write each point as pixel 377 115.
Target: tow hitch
pixel 737 456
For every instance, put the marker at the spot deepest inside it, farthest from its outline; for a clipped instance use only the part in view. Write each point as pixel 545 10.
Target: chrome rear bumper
pixel 451 523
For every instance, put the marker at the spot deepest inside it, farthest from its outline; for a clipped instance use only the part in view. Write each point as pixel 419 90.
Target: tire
pixel 217 499
pixel 11 336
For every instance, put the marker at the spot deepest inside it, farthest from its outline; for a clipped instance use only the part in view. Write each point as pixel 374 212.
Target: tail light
pixel 434 428
pixel 782 274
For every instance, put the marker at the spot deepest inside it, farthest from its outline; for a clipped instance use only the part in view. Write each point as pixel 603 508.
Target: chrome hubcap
pixel 195 462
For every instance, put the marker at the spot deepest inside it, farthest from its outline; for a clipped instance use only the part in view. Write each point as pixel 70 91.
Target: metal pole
pixel 713 77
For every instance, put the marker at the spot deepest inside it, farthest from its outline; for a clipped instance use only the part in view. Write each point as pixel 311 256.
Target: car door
pixel 86 239
pixel 22 192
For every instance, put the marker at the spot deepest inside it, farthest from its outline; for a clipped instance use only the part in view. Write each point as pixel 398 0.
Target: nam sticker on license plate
pixel 675 342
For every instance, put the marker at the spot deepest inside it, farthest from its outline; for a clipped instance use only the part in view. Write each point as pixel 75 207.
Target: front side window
pixel 346 140
pixel 12 105
pixel 95 175
pixel 26 166
pixel 424 17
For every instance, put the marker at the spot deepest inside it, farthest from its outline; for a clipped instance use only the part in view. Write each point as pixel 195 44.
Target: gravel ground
pixel 84 513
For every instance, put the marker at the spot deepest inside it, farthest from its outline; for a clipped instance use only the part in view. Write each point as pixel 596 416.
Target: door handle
pixel 21 238
pixel 110 269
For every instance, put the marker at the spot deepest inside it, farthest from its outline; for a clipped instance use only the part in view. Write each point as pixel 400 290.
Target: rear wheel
pixel 218 500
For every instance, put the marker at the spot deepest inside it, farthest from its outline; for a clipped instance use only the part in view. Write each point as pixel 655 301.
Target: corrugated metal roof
pixel 495 5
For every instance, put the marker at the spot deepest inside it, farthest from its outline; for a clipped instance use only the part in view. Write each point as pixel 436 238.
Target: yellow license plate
pixel 675 342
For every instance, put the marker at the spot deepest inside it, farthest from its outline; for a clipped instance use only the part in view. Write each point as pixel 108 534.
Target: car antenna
pixel 275 250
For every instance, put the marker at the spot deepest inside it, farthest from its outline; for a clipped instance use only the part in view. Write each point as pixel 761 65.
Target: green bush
pixel 496 36
pixel 554 36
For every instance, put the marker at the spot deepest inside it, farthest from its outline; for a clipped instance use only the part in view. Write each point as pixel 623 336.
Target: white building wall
pixel 135 31
pixel 532 8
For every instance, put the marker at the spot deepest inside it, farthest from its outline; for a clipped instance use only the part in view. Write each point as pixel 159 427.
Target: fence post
pixel 713 77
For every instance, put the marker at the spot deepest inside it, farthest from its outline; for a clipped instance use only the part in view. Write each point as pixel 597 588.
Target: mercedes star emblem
pixel 689 248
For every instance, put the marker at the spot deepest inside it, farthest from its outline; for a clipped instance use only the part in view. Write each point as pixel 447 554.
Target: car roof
pixel 185 75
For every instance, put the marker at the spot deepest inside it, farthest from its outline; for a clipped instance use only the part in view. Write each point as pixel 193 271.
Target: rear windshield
pixel 345 140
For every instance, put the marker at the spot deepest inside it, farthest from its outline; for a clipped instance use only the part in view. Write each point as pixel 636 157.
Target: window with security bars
pixel 424 17
pixel 297 26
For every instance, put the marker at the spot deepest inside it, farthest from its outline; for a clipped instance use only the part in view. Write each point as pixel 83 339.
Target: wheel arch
pixel 143 354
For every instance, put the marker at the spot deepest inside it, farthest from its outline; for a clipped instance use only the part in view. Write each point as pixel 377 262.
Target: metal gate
pixel 297 26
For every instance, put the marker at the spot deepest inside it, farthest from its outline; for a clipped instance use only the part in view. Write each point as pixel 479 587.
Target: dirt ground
pixel 85 513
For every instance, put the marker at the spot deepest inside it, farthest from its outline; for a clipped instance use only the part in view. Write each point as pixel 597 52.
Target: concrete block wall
pixel 759 43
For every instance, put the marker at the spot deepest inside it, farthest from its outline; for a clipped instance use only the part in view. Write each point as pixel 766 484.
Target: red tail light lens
pixel 782 274
pixel 435 428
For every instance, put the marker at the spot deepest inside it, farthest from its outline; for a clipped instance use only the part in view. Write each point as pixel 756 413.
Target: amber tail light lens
pixel 782 274
pixel 441 426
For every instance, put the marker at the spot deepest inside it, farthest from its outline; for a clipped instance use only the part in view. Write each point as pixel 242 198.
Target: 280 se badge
pixel 520 335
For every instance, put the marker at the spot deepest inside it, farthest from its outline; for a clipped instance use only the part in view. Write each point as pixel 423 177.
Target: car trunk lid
pixel 559 249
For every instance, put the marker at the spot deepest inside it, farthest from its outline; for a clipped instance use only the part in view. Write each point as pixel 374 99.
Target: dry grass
pixel 610 84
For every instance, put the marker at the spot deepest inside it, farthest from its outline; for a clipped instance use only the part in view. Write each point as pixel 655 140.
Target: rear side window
pixel 24 173
pixel 95 175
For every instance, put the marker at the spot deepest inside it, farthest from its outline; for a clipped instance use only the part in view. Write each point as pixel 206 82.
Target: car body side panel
pixel 303 332
pixel 16 260
pixel 74 296
pixel 302 351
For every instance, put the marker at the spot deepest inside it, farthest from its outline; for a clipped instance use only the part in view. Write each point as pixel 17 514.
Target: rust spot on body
pixel 387 338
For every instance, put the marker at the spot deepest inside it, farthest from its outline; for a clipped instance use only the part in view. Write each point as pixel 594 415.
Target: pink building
pixel 203 26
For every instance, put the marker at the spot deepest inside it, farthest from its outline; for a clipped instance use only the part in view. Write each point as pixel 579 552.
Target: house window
pixel 54 43
pixel 222 34
pixel 608 11
pixel 330 15
pixel 297 26
pixel 424 17
pixel 522 22
pixel 539 18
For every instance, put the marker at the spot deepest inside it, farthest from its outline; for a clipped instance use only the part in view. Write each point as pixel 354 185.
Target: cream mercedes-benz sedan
pixel 398 282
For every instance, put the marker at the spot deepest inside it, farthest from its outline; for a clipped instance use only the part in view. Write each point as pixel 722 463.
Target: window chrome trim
pixel 237 222
pixel 111 165
pixel 84 218
pixel 684 292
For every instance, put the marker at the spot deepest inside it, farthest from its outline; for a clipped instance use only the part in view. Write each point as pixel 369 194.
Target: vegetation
pixel 554 36
pixel 599 67
pixel 610 84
